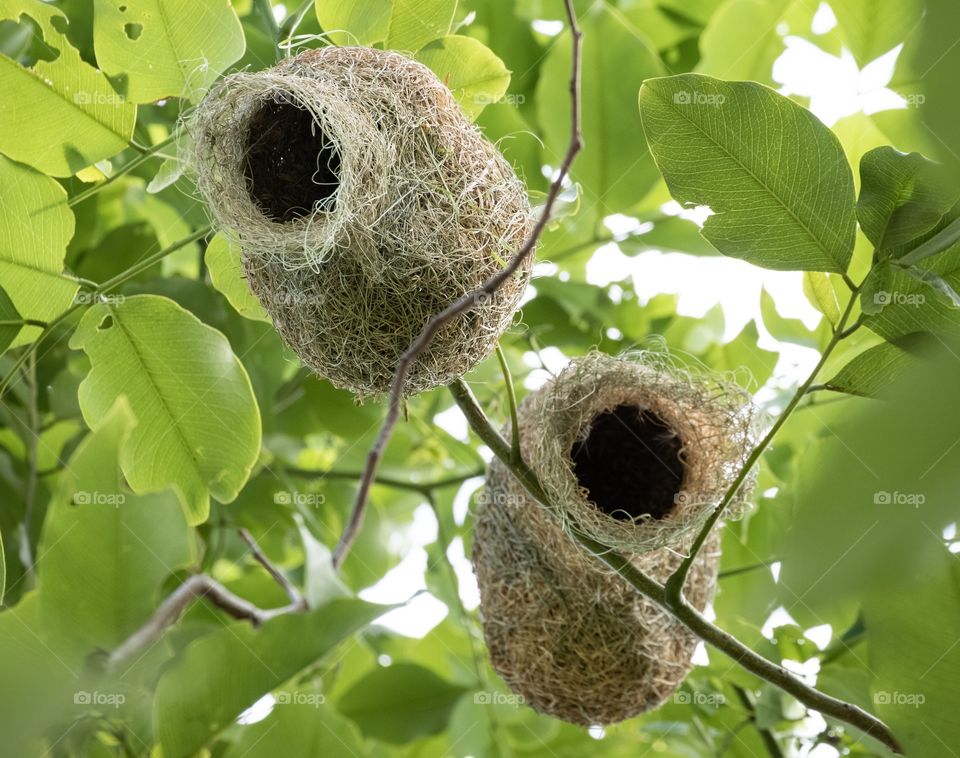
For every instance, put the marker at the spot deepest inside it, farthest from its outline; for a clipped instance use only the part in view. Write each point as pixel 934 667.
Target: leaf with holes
pixel 198 425
pixel 153 49
pixel 62 115
pixel 775 177
pixel 35 227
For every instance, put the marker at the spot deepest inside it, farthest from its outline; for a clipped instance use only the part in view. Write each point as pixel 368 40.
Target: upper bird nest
pixel 364 202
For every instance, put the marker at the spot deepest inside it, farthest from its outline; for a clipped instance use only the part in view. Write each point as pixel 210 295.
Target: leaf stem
pixel 512 399
pixel 127 168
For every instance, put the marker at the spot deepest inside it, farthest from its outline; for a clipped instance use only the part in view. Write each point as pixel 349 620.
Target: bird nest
pixel 636 452
pixel 364 202
pixel 571 637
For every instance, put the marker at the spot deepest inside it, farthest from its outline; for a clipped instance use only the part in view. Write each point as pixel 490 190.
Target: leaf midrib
pixel 174 422
pixel 757 179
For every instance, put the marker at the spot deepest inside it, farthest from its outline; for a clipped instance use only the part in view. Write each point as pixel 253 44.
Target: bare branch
pixel 203 586
pixel 296 599
pixel 465 303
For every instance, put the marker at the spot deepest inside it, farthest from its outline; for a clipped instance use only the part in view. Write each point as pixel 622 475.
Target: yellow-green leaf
pixel 469 68
pixel 61 115
pixel 166 48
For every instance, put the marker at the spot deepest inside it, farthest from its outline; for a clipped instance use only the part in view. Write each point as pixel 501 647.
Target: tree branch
pixel 683 611
pixel 465 303
pixel 203 586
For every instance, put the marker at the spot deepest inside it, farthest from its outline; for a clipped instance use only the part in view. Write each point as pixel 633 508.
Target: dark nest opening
pixel 630 463
pixel 292 167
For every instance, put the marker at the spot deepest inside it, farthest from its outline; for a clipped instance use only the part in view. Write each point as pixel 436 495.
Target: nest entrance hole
pixel 292 167
pixel 630 463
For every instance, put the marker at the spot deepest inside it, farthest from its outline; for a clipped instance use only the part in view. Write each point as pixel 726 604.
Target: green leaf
pixel 904 302
pixel 775 177
pixel 414 23
pixel 400 703
pixel 475 76
pixel 301 727
pixel 3 571
pixel 614 166
pixel 872 371
pixel 751 365
pixel 871 28
pixel 916 659
pixel 321 581
pixel 61 115
pixel 104 551
pixel 35 227
pixel 9 316
pixel 819 291
pixel 942 240
pixel 165 48
pixel 354 22
pixel 785 329
pixel 198 425
pixel 903 196
pixel 222 674
pixel 226 273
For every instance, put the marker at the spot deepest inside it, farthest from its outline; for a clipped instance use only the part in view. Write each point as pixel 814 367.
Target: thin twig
pixel 683 611
pixel 203 586
pixel 423 488
pixel 465 303
pixel 30 496
pixel 766 735
pixel 512 399
pixel 126 169
pixel 296 598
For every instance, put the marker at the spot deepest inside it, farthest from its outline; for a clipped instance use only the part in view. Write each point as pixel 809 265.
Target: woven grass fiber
pixel 658 446
pixel 364 202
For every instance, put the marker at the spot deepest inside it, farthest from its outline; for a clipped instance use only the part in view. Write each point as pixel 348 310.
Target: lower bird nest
pixel 364 202
pixel 634 451
pixel 571 637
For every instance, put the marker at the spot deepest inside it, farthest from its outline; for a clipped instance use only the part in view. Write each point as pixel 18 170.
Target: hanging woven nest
pixel 634 451
pixel 571 637
pixel 364 202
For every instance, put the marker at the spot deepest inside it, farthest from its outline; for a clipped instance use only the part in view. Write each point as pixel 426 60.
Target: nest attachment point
pixel 635 451
pixel 364 203
pixel 574 639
